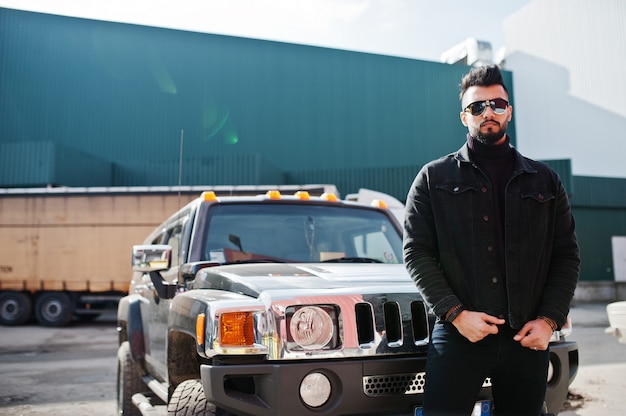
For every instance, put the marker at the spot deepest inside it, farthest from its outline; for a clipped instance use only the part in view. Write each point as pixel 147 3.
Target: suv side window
pixel 173 236
pixel 173 239
pixel 159 239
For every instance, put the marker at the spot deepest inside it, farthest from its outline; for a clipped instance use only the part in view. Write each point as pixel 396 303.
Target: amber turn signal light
pixel 200 325
pixel 236 329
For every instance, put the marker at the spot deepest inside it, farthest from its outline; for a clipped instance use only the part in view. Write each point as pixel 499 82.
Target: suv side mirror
pixel 151 258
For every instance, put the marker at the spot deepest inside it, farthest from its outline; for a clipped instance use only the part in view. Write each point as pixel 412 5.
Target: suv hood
pixel 253 279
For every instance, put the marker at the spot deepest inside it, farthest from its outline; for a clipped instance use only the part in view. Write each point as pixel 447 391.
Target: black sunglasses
pixel 498 105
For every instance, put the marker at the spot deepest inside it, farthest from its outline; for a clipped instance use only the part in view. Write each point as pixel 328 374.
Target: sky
pixel 418 29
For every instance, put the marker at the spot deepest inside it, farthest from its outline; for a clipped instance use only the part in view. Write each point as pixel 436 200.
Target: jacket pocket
pixel 457 204
pixel 537 207
pixel 455 188
pixel 538 196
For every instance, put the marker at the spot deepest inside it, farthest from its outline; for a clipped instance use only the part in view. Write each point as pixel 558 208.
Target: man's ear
pixel 462 117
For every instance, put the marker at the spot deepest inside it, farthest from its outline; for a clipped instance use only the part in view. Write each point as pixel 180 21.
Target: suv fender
pixel 130 326
pixel 199 301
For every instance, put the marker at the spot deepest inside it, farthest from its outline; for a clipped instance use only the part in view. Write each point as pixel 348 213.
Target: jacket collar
pixel 521 163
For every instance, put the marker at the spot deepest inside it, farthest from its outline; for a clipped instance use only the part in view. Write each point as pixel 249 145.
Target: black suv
pixel 281 305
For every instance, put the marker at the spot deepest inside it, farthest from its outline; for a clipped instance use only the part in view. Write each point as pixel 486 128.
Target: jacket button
pixel 486 218
pixel 494 280
pixel 456 189
pixel 540 196
pixel 484 190
pixel 489 248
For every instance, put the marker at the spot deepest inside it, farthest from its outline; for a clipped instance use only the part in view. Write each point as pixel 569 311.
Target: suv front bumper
pixel 389 386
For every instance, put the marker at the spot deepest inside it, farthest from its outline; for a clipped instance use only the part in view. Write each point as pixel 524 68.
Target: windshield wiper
pixel 352 260
pixel 259 260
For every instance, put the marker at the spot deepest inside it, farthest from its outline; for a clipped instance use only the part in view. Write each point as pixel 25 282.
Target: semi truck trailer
pixel 64 251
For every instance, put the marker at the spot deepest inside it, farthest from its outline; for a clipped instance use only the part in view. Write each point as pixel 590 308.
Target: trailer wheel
pixel 15 308
pixel 188 400
pixel 128 382
pixel 54 309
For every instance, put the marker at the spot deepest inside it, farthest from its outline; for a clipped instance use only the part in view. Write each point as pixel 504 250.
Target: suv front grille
pixel 399 326
pixel 393 384
pixel 411 383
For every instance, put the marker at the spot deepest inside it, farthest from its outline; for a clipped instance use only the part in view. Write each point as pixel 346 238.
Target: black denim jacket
pixel 449 232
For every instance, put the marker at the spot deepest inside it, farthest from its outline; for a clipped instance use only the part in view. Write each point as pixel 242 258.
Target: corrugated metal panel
pixel 125 92
pixel 251 169
pixel 26 164
pixel 564 169
pixel 75 168
pixel 48 163
pixel 600 192
pixel 599 206
pixel 595 227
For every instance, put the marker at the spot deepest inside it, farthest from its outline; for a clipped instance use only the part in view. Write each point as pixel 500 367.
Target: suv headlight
pixel 312 327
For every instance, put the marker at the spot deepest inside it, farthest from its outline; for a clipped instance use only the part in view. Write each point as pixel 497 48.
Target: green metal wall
pixel 123 94
pixel 599 206
pixel 563 168
pixel 595 227
pixel 32 164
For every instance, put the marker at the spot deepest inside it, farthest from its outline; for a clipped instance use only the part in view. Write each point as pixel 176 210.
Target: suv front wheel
pixel 188 400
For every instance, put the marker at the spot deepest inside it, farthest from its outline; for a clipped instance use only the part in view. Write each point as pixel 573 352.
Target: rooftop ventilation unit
pixel 469 52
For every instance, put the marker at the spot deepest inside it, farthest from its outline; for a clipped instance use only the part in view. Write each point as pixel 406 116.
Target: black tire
pixel 15 308
pixel 128 382
pixel 188 400
pixel 54 309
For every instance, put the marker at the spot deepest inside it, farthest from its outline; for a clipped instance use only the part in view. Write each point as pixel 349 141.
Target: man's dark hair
pixel 482 76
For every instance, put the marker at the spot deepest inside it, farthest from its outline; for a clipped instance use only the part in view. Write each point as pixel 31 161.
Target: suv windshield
pixel 299 233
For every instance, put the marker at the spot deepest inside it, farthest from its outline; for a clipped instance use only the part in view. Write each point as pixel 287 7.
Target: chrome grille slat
pixel 388 318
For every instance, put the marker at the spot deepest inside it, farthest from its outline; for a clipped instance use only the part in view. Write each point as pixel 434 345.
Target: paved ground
pixel 58 371
pixel 600 386
pixel 71 371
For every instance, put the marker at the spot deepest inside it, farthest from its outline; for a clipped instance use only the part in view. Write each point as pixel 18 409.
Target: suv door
pixel 158 309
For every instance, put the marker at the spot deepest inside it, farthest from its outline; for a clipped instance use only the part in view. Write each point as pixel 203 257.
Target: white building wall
pixel 568 59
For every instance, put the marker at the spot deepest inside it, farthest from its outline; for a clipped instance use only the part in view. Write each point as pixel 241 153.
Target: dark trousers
pixel 457 368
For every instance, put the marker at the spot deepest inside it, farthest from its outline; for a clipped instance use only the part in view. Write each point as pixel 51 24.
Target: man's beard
pixel 491 136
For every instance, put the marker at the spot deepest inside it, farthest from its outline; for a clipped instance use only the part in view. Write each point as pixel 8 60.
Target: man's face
pixel 487 127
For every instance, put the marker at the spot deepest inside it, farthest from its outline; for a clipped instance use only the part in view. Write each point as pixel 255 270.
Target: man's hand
pixel 535 335
pixel 476 325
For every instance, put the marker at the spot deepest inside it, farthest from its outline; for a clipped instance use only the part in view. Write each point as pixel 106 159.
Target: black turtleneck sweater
pixel 497 163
